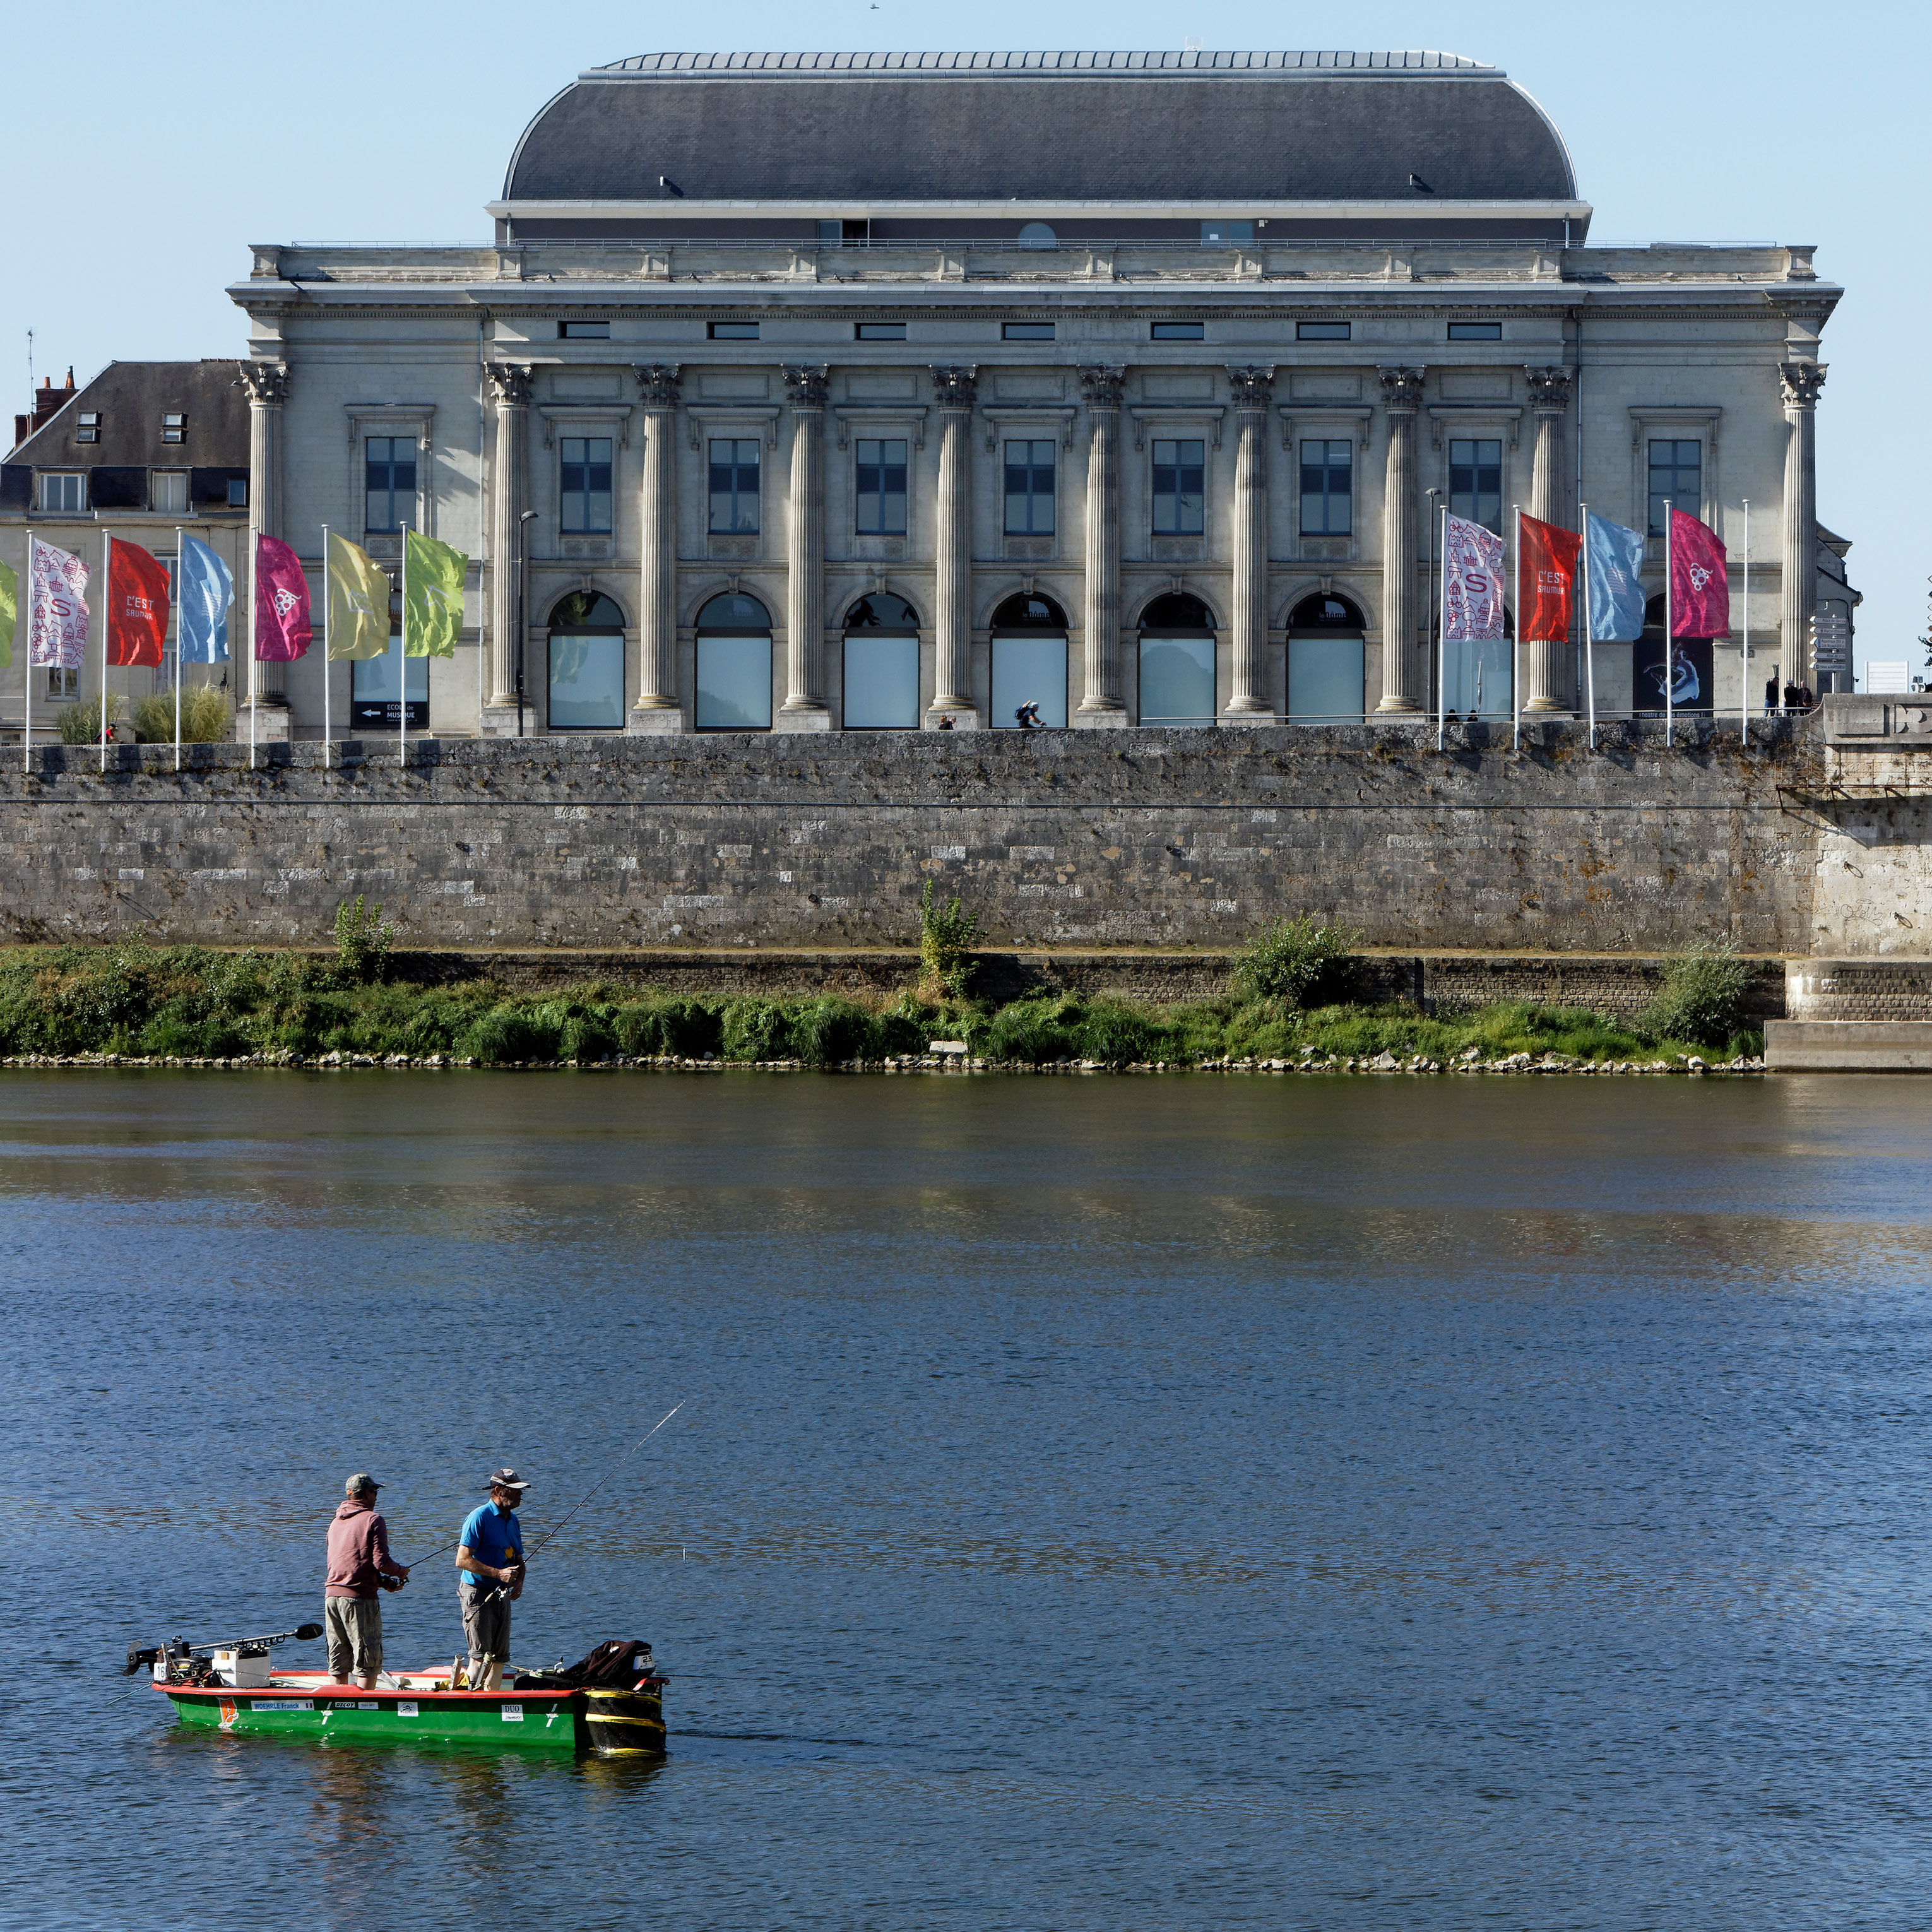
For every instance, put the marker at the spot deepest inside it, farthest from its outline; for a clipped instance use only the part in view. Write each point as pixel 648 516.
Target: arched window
pixel 1478 678
pixel 1177 662
pixel 734 665
pixel 1029 661
pixel 1691 661
pixel 881 664
pixel 586 664
pixel 1038 235
pixel 1325 661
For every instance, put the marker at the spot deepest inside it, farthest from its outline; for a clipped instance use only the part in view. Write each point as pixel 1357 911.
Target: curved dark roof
pixel 1216 128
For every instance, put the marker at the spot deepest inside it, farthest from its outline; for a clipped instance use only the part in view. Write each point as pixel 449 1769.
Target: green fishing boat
pixel 610 1705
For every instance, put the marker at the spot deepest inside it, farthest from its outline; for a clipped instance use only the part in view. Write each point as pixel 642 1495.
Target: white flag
pixel 57 612
pixel 1472 568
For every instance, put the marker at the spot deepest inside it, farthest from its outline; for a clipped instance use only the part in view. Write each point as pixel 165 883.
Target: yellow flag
pixel 358 602
pixel 10 610
pixel 432 575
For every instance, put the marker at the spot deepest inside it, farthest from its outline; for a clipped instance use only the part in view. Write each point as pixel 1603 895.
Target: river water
pixel 1194 1502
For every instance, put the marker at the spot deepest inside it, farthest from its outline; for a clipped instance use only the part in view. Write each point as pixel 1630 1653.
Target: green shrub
pixel 947 934
pixel 687 1029
pixel 1703 997
pixel 1034 1031
pixel 80 722
pixel 1117 1036
pixel 1298 962
pixel 505 1033
pixel 204 716
pixel 586 1036
pixel 828 1031
pixel 361 940
pixel 755 1029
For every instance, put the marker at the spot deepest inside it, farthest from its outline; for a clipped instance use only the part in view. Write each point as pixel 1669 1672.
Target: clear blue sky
pixel 149 145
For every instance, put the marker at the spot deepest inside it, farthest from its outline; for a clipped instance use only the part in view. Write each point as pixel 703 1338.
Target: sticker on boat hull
pixel 513 1713
pixel 405 1708
pixel 228 1713
pixel 281 1703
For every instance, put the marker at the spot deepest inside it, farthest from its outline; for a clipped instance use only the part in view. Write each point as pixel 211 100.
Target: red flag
pixel 1547 565
pixel 137 605
pixel 282 631
pixel 1700 591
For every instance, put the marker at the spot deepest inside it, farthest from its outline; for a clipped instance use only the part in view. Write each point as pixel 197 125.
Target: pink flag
pixel 281 603
pixel 56 611
pixel 1472 566
pixel 1700 591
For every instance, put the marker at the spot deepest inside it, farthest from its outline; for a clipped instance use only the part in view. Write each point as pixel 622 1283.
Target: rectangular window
pixel 1322 331
pixel 1178 331
pixel 1026 331
pixel 390 485
pixel 1176 680
pixel 63 683
pixel 174 427
pixel 584 332
pixel 1029 669
pixel 586 485
pixel 878 332
pixel 882 487
pixel 734 683
pixel 586 684
pixel 1476 481
pixel 1475 332
pixel 1676 473
pixel 1029 489
pixel 1328 486
pixel 66 494
pixel 734 486
pixel 238 493
pixel 1180 480
pixel 167 491
pixel 372 690
pixel 1221 233
pixel 881 682
pixel 734 331
pixel 1325 680
pixel 89 429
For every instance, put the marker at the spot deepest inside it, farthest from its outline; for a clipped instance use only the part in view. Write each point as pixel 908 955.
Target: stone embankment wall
pixel 1102 839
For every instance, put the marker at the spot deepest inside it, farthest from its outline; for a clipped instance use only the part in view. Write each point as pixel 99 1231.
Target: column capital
pixel 1402 390
pixel 956 386
pixel 805 384
pixel 265 381
pixel 1101 385
pixel 659 384
pixel 1801 382
pixel 1548 390
pixel 510 383
pixel 1252 387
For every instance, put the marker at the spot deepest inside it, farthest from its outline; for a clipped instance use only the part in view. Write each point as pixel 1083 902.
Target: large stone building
pixel 815 392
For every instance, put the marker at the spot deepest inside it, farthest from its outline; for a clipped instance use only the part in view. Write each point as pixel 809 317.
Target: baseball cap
pixel 355 1485
pixel 506 1479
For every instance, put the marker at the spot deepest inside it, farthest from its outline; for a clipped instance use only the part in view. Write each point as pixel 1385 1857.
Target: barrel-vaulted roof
pixel 854 129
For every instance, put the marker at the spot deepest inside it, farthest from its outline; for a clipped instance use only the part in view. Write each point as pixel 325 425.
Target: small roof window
pixel 87 429
pixel 174 427
pixel 584 332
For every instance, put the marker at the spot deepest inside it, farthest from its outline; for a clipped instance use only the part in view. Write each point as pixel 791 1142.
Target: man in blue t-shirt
pixel 490 1556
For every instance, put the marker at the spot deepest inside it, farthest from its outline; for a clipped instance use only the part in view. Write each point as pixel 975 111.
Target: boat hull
pixel 609 1723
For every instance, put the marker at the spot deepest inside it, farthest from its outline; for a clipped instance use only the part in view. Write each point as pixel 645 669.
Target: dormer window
pixel 89 428
pixel 174 427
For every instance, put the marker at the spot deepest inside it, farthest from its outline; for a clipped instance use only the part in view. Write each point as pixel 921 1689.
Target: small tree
pixel 361 939
pixel 947 934
pixel 1703 996
pixel 1298 962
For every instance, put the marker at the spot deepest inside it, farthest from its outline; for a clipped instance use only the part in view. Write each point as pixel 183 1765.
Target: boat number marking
pixel 551 1719
pixel 281 1704
pixel 405 1708
pixel 513 1713
pixel 227 1713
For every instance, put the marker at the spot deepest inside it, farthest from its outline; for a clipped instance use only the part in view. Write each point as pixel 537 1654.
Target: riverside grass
pixel 163 1003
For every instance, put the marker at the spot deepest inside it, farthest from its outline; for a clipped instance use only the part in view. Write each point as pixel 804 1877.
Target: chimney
pixel 20 424
pixel 48 401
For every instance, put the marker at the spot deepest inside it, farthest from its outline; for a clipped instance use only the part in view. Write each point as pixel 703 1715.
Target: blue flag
pixel 204 594
pixel 1616 583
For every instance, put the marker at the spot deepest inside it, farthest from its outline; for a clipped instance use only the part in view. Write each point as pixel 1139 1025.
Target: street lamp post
pixel 523 523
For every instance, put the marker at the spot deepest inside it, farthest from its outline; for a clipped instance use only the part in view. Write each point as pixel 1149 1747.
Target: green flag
pixel 9 610
pixel 358 602
pixel 433 576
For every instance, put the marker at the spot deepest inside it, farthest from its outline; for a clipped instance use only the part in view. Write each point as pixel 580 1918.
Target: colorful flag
pixel 282 632
pixel 137 605
pixel 358 602
pixel 1546 575
pixel 1616 582
pixel 1700 590
pixel 432 575
pixel 203 599
pixel 57 612
pixel 1472 578
pixel 10 610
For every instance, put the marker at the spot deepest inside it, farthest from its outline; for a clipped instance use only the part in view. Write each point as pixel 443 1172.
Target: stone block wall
pixel 1059 840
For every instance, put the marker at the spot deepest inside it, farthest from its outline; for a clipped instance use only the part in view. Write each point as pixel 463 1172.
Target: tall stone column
pixel 1544 659
pixel 1802 383
pixel 509 497
pixel 1100 702
pixel 955 391
pixel 267 384
pixel 1253 390
pixel 1402 397
pixel 804 708
pixel 657 709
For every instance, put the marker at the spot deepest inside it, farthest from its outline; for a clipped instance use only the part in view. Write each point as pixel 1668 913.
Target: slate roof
pixel 131 398
pixel 1220 128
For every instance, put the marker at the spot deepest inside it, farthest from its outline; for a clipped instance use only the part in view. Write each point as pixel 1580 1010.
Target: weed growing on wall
pixel 1296 961
pixel 361 940
pixel 1703 995
pixel 947 934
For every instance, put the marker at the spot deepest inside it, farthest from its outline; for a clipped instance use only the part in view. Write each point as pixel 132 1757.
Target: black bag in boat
pixel 615 1665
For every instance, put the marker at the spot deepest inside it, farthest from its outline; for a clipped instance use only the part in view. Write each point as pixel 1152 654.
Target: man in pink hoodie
pixel 358 1558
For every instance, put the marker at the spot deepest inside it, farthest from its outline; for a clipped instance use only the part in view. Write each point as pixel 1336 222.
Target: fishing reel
pixel 167 1659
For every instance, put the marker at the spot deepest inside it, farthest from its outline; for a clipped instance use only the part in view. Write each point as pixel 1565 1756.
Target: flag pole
pixel 327 756
pixel 1442 627
pixel 27 728
pixel 1589 638
pixel 254 577
pixel 403 665
pixel 107 619
pixel 1669 642
pixel 180 579
pixel 1515 641
pixel 1743 703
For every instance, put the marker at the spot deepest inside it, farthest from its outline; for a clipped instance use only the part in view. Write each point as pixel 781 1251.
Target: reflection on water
pixel 1240 1502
